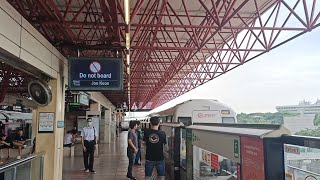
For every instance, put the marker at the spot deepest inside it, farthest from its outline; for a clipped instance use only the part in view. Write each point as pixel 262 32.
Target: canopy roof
pixel 176 45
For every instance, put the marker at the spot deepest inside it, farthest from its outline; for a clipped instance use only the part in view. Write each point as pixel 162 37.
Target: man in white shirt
pixel 69 139
pixel 89 136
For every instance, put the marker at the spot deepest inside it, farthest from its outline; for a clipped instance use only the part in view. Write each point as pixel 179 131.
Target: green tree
pixel 260 118
pixel 309 132
pixel 316 120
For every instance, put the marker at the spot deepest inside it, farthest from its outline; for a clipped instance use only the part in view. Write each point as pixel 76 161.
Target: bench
pixel 13 152
pixel 68 151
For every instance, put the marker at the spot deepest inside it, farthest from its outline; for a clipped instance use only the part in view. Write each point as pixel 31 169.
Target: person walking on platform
pixel 132 147
pixel 89 142
pixel 155 139
pixel 139 135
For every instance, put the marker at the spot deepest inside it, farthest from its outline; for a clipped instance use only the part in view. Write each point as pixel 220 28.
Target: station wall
pixel 19 38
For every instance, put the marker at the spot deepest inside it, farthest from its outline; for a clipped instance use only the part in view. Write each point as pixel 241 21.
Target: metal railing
pixel 29 168
pixel 302 170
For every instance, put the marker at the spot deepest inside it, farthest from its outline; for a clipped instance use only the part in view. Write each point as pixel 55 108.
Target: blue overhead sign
pixel 95 74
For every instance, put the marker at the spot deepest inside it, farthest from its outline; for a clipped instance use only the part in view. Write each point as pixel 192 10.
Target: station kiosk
pixel 235 152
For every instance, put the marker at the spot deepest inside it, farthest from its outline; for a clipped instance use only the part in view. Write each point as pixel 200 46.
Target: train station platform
pixel 111 164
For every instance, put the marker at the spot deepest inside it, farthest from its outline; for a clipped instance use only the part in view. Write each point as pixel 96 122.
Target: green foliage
pixel 277 118
pixel 262 118
pixel 309 132
pixel 316 120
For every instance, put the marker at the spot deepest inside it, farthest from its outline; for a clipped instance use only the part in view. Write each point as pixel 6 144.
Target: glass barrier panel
pixel 36 169
pixel 8 174
pixel 301 162
pixel 167 151
pixel 183 149
pixel 23 171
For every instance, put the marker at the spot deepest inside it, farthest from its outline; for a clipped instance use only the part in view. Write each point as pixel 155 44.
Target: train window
pixel 168 118
pixel 229 120
pixel 186 121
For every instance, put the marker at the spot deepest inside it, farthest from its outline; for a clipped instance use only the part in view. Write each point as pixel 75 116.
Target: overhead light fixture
pixel 128 40
pixel 128 59
pixel 127 11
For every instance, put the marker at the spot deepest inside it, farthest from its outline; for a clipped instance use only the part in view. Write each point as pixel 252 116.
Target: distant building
pixel 303 107
pixel 299 122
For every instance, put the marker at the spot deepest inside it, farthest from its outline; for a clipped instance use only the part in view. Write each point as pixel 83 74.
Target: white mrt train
pixel 204 111
pixel 198 111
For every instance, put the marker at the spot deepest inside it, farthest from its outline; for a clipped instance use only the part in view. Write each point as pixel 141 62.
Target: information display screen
pixel 95 74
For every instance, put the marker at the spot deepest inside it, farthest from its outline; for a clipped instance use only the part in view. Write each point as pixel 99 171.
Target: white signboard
pixel 46 122
pixel 84 99
pixel 206 117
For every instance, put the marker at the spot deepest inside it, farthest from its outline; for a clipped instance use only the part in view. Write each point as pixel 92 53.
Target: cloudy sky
pixel 284 76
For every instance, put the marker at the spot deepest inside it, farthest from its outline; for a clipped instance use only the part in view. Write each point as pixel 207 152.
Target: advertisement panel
pixel 229 145
pixel 252 158
pixel 294 173
pixel 95 74
pixel 302 175
pixel 301 162
pixel 208 165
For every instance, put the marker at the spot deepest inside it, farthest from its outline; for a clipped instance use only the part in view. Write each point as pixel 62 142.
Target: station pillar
pixel 105 134
pixel 52 142
pixel 95 107
pixel 107 126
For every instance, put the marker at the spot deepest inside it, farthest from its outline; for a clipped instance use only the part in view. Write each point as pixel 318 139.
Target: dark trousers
pixel 89 154
pixel 130 155
pixel 67 145
pixel 2 176
pixel 138 156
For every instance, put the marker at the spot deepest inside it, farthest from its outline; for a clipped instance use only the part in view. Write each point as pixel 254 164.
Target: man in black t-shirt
pixel 19 142
pixel 155 140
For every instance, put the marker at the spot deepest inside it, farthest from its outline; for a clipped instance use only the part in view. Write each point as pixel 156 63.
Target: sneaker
pixel 137 164
pixel 24 146
pixel 86 170
pixel 19 157
pixel 92 171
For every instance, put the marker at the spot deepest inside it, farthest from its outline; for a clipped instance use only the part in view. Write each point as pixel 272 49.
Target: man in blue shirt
pixel 132 147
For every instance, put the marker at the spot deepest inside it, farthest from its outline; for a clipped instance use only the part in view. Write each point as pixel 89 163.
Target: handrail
pixel 304 170
pixel 15 163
